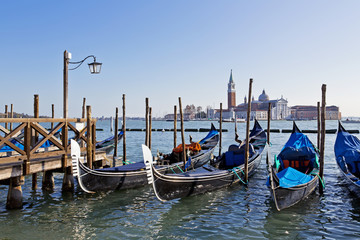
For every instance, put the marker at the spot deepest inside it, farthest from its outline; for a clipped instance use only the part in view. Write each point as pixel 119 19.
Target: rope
pixel 321 180
pixel 180 168
pixel 245 183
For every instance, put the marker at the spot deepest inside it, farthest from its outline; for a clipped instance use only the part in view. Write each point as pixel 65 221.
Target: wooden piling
pixel 322 139
pixel 116 136
pixel 83 112
pixel 318 124
pixel 48 183
pixel 268 134
pixel 150 126
pixel 182 131
pixel 175 119
pixel 89 139
pixel 6 115
pixel 124 129
pixel 68 179
pixel 147 122
pixel 14 197
pixel 220 123
pixel 35 137
pixel 247 131
pixel 11 116
pixel 83 108
pixel 52 114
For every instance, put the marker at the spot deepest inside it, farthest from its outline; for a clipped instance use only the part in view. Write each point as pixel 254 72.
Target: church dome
pixel 263 97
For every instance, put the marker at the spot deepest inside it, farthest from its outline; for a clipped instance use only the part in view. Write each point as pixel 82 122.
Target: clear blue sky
pixel 169 49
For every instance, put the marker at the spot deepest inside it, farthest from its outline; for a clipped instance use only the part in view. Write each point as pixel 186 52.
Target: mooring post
pixel 89 139
pixel 150 126
pixel 52 115
pixel 318 124
pixel 247 132
pixel 175 118
pixel 322 141
pixel 14 197
pixel 83 108
pixel 124 130
pixel 35 137
pixel 147 122
pixel 182 132
pixel 268 133
pixel 220 140
pixel 116 136
pixel 83 112
pixel 11 116
pixel 6 115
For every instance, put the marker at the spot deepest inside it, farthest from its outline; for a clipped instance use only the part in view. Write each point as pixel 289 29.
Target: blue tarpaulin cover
pixel 347 152
pixel 291 177
pixel 298 147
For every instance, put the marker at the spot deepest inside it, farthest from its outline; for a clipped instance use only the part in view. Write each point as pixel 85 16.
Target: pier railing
pixel 27 139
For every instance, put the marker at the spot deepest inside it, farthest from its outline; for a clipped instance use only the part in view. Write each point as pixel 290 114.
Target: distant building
pixel 302 112
pixel 231 93
pixel 259 108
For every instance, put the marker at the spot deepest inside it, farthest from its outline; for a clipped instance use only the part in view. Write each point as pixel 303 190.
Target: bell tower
pixel 231 92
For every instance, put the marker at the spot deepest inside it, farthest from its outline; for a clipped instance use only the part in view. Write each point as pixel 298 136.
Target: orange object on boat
pixel 195 147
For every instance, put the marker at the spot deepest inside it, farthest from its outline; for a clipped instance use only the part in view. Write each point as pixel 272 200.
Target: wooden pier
pixel 27 154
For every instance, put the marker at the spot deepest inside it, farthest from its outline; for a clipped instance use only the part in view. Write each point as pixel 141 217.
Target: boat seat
pixel 124 168
pixel 236 156
pixel 202 171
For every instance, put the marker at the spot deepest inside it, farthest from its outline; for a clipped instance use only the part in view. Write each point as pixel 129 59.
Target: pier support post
pixel 48 181
pixel 68 181
pixel 14 197
pixel 35 137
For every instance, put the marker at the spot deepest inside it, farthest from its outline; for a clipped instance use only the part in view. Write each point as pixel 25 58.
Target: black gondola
pixel 294 174
pixel 224 171
pixel 134 175
pixel 347 153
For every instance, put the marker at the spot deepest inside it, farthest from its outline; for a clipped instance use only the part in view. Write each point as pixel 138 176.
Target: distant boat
pixel 239 120
pixel 351 121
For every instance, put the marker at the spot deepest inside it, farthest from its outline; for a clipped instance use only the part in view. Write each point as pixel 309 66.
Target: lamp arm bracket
pixel 81 62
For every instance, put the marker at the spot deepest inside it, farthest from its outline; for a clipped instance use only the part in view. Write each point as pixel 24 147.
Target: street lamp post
pixel 95 68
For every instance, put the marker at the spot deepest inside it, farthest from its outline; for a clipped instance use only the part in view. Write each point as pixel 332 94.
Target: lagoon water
pixel 236 212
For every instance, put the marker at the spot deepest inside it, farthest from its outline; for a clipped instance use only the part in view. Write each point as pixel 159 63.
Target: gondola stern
pixel 75 158
pixel 148 161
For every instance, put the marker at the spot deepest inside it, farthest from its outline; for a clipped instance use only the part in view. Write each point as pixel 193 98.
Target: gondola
pixel 108 144
pixel 347 153
pixel 226 170
pixel 294 174
pixel 134 175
